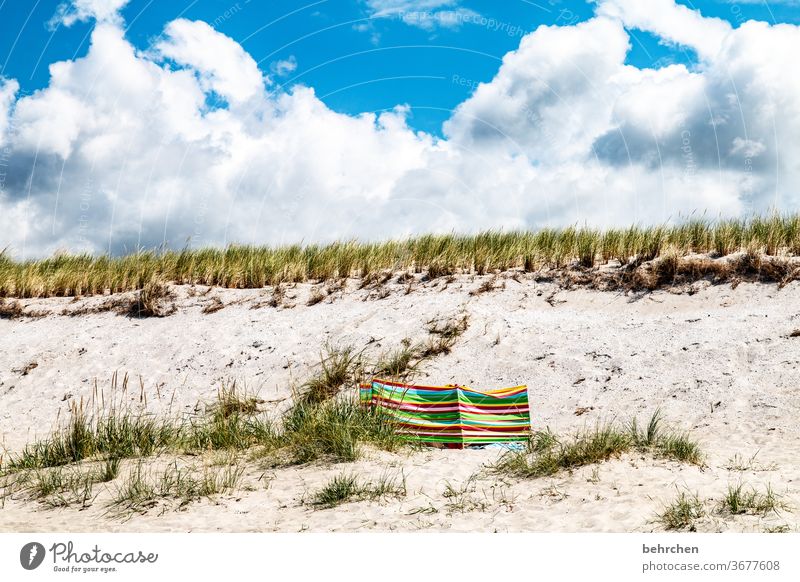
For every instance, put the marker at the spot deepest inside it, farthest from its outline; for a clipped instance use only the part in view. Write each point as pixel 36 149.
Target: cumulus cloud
pixel 68 13
pixel 222 66
pixel 184 144
pixel 671 22
pixel 284 67
pixel 8 90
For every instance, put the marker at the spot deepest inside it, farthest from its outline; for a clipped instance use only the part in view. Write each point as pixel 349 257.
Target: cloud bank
pixel 188 143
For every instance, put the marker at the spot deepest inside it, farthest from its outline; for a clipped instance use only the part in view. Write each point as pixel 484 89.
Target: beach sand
pixel 717 361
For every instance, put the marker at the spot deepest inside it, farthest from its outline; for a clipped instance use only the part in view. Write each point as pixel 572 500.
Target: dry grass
pixel 317 295
pixel 152 301
pixel 771 238
pixel 15 310
pixel 11 309
pixel 486 287
pixel 214 305
pixel 443 336
pixel 26 369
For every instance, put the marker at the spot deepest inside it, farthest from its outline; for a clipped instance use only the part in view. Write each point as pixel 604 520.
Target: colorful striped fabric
pixel 454 416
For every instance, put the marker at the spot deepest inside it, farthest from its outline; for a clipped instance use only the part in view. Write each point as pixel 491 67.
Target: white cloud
pixel 125 148
pixel 222 64
pixel 68 13
pixel 284 67
pixel 8 91
pixel 670 21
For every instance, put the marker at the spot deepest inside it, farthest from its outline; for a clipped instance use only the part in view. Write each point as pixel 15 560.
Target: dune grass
pixel 404 362
pixel 346 488
pixel 685 509
pixel 438 255
pixel 547 454
pixel 682 512
pixel 325 422
pixel 338 366
pixel 142 487
pixel 113 434
pixel 333 430
pixel 739 500
pixel 63 468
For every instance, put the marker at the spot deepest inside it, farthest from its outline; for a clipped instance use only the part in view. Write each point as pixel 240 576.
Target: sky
pixel 146 123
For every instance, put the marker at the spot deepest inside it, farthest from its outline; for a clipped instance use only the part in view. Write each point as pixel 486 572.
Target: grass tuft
pixel 345 488
pixel 151 301
pixel 142 488
pixel 547 454
pixel 334 431
pixel 338 367
pixel 739 500
pixel 682 512
pixel 402 363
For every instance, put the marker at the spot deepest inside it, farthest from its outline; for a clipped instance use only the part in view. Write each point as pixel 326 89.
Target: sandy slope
pixel 719 361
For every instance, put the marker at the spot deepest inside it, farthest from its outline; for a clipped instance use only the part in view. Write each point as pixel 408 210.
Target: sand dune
pixel 718 361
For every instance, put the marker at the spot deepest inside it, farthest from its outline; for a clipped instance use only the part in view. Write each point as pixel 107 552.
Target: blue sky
pixel 147 123
pixel 355 61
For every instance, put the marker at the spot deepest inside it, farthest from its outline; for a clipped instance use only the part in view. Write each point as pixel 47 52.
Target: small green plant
pixel 546 454
pixel 117 434
pixel 344 488
pixel 682 512
pixel 740 500
pixel 232 422
pixel 55 487
pixel 142 488
pixel 334 431
pixel 461 498
pixel 341 489
pixel 136 492
pixel 664 441
pixel 401 363
pixel 109 470
pixel 338 367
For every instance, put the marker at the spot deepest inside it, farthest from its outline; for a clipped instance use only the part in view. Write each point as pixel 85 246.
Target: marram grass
pixel 253 267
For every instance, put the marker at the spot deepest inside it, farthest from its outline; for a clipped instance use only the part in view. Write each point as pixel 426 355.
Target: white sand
pixel 718 362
